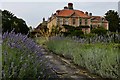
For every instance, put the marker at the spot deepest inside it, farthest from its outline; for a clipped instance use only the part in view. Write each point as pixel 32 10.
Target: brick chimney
pixel 43 19
pixel 86 13
pixel 90 14
pixel 70 6
pixel 57 12
pixel 65 7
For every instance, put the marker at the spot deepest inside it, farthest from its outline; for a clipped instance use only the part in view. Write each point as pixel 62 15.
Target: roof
pixel 98 19
pixel 41 25
pixel 68 12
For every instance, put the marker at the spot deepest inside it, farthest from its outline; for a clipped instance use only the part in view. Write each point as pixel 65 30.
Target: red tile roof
pixel 67 12
pixel 98 19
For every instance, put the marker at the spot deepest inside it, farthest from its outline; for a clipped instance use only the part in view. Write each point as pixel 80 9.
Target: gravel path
pixel 65 69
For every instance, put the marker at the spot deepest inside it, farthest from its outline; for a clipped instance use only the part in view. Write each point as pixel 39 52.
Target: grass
pixel 98 58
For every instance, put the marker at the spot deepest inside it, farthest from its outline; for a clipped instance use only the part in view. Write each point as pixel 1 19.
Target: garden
pixel 98 54
pixel 23 59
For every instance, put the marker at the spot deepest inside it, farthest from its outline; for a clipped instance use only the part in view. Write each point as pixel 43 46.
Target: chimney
pixel 70 6
pixel 86 13
pixel 90 14
pixel 43 19
pixel 57 12
pixel 65 7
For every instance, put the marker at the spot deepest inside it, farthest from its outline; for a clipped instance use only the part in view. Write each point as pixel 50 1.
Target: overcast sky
pixel 33 12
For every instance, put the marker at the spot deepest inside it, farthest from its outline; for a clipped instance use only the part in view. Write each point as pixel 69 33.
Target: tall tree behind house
pixel 114 20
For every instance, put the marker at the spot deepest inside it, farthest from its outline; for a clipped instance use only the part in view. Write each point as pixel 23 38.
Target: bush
pixel 99 31
pixel 72 31
pixel 23 59
pixel 99 58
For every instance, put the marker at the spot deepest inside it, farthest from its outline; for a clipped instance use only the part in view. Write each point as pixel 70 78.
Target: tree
pixel 114 21
pixel 99 31
pixel 10 22
pixel 72 31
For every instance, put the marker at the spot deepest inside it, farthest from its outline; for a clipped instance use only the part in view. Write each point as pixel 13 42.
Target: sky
pixel 33 12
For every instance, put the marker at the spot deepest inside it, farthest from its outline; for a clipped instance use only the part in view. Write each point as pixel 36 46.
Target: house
pixel 42 26
pixel 40 29
pixel 72 17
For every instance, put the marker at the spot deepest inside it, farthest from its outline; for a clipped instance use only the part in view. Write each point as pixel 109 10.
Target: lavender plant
pixel 23 59
pixel 99 54
pixel 0 55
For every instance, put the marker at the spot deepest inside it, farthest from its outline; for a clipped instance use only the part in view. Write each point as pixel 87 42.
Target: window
pixel 86 30
pixel 58 20
pixel 86 21
pixel 94 26
pixel 80 21
pixel 73 21
pixel 61 21
pixel 66 21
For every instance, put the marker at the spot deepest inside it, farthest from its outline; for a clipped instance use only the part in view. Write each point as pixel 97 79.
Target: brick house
pixel 73 17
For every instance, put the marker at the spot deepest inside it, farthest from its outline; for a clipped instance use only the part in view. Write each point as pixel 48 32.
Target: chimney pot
pixel 57 12
pixel 86 13
pixel 43 19
pixel 65 7
pixel 90 14
pixel 70 5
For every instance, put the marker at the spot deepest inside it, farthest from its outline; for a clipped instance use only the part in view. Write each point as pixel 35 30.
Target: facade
pixel 42 27
pixel 73 17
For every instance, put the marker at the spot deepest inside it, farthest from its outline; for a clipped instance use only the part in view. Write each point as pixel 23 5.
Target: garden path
pixel 65 68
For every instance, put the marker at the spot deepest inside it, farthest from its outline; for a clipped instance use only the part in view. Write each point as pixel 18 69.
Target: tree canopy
pixel 99 31
pixel 114 21
pixel 10 22
pixel 73 31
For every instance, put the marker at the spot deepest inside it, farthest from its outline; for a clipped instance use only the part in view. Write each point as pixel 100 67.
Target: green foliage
pixel 90 35
pixel 73 31
pixel 16 61
pixel 102 59
pixel 0 21
pixel 10 22
pixel 23 59
pixel 77 33
pixel 99 31
pixel 0 60
pixel 114 21
pixel 55 30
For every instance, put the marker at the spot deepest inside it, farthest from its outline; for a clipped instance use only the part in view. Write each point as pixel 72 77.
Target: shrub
pixel 99 58
pixel 23 59
pixel 72 31
pixel 99 31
